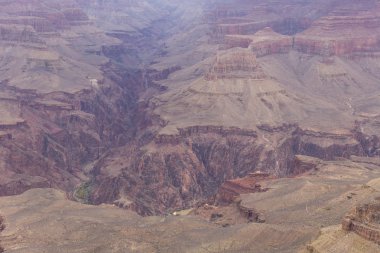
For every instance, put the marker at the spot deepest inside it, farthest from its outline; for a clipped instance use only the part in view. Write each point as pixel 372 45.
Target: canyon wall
pixel 178 171
pixel 155 115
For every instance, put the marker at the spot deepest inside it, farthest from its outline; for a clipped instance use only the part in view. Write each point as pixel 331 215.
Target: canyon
pixel 251 117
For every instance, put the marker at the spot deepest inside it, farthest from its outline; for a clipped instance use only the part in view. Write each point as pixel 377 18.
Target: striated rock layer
pixel 136 110
pixel 365 221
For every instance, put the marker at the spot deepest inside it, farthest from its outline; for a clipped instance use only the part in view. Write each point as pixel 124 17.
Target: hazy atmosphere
pixel 168 126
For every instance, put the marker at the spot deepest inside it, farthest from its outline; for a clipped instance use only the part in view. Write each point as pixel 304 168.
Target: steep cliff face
pixel 68 131
pixel 177 171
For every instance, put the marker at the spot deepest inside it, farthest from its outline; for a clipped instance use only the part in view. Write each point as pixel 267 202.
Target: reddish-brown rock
pixel 230 190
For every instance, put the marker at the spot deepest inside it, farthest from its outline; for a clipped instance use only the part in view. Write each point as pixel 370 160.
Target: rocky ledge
pixel 364 220
pixel 230 190
pixel 346 30
pixel 19 34
pixel 342 33
pixel 263 42
pixel 234 63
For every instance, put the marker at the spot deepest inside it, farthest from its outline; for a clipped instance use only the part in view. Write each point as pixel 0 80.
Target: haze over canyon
pixel 189 126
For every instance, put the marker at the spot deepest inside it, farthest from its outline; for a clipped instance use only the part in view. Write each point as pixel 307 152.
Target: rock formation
pixel 342 32
pixel 18 34
pixel 139 108
pixel 114 103
pixel 237 63
pixel 365 221
pixel 230 190
pixel 263 42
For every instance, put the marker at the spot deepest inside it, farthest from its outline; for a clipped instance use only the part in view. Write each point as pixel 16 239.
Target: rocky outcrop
pixel 231 41
pixel 370 142
pixel 364 221
pixel 266 42
pixel 178 174
pixel 236 63
pixel 39 24
pixel 345 30
pixel 189 167
pixel 19 34
pixel 335 46
pixel 61 132
pixel 41 19
pixel 230 190
pixel 251 214
pixel 246 18
pixel 341 33
pixel 43 16
pixel 305 163
pixel 240 28
pixel 74 15
pixel 263 42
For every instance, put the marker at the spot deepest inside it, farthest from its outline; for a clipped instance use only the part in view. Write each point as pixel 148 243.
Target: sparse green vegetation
pixel 83 193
